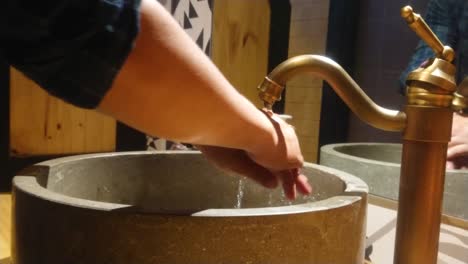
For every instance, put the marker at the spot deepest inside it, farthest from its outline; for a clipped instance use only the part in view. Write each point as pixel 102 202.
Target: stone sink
pixel 176 208
pixel 378 164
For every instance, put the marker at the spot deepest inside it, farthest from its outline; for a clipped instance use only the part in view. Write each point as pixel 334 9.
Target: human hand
pixel 284 158
pixel 457 152
pixel 238 161
pixel 282 154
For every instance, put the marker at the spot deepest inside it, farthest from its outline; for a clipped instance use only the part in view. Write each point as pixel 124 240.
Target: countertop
pixel 381 223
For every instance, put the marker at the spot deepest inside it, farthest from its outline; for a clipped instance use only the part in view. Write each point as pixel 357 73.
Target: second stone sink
pixel 378 164
pixel 176 208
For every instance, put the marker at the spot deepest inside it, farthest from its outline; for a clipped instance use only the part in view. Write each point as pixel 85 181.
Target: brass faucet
pixel 340 81
pixel 426 122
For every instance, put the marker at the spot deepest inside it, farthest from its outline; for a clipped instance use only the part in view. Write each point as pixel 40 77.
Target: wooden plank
pixel 43 125
pixel 240 43
pixel 5 227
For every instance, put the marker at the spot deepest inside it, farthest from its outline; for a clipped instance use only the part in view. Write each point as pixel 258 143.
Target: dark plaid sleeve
pixel 72 48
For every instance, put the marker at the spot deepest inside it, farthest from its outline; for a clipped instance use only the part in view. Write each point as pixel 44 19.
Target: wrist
pixel 266 138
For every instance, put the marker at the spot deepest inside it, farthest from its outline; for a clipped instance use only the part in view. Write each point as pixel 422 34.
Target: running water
pixel 273 200
pixel 284 201
pixel 270 199
pixel 240 193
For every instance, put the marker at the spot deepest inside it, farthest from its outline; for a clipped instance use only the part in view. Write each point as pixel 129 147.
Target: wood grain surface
pixel 240 43
pixel 5 226
pixel 42 125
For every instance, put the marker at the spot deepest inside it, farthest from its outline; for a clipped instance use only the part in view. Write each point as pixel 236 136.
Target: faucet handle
pixel 418 25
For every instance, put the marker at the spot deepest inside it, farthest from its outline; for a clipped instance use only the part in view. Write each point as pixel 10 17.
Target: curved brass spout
pixel 342 84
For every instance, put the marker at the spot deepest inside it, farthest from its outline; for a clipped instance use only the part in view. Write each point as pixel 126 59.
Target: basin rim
pixel 355 190
pixel 331 149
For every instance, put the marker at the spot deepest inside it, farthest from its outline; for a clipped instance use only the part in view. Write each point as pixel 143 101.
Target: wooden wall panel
pixel 43 125
pixel 240 42
pixel 5 227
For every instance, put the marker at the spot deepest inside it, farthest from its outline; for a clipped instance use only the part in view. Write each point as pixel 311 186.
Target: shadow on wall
pixel 384 45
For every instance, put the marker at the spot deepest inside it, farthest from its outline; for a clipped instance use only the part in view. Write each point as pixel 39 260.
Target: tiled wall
pixel 308 34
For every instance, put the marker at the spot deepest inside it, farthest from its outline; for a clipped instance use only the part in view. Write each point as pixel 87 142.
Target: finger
pixel 455 140
pixel 458 163
pixel 293 180
pixel 252 170
pixel 457 151
pixel 257 173
pixel 289 184
pixel 452 143
pixel 303 185
pixel 238 161
pixel 450 165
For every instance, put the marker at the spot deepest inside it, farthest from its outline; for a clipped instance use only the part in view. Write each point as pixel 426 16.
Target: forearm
pixel 169 88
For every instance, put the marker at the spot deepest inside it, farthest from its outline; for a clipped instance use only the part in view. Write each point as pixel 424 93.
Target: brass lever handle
pixel 418 25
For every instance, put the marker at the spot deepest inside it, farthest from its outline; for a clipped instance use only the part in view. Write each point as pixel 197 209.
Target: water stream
pixel 240 192
pixel 272 196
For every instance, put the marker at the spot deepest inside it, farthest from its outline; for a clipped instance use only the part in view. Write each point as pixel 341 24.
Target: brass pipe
pixel 422 184
pixel 342 84
pixel 429 101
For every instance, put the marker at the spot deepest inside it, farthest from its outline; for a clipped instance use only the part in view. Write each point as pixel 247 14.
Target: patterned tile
pixel 195 17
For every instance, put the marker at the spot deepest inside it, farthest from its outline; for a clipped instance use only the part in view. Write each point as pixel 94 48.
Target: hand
pixel 457 153
pixel 284 153
pixel 237 161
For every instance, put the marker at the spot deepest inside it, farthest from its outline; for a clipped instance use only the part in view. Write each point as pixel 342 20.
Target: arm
pixel 168 81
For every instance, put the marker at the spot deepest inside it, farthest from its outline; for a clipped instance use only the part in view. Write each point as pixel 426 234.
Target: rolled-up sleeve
pixel 71 48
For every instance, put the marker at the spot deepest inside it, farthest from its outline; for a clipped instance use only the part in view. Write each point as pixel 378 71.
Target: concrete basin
pixel 175 207
pixel 378 164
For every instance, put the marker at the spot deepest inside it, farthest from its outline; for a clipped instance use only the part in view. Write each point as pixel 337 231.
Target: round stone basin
pixel 175 207
pixel 378 164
